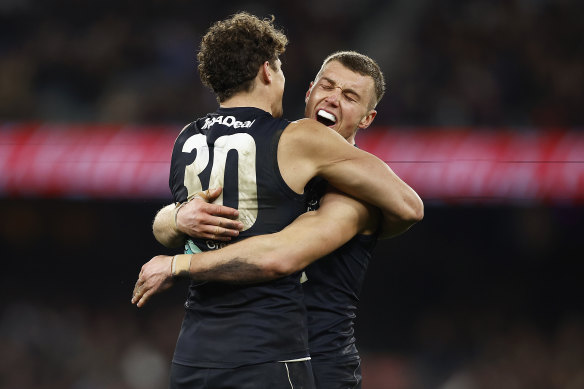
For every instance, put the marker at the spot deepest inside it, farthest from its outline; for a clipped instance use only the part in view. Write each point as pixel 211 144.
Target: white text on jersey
pixel 228 121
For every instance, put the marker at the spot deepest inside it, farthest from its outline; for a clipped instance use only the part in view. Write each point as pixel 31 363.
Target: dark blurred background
pixel 475 296
pixel 480 63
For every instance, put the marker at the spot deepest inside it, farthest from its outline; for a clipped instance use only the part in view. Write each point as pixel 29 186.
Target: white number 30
pixel 247 188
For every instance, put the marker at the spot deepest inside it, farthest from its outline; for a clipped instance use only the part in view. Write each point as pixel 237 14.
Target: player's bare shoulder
pixel 297 158
pixel 306 136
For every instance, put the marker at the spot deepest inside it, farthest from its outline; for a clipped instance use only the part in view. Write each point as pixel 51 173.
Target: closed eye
pixel 350 98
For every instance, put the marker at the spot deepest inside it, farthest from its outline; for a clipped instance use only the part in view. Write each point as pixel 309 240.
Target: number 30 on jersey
pixel 245 146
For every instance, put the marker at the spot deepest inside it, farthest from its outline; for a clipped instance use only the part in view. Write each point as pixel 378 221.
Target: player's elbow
pixel 417 211
pixel 166 239
pixel 276 267
pixel 397 224
pixel 413 212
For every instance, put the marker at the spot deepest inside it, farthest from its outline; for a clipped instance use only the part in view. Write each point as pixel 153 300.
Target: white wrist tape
pixel 181 265
pixel 175 214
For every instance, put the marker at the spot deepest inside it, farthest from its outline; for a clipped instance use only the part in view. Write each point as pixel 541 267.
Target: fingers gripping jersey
pixel 235 325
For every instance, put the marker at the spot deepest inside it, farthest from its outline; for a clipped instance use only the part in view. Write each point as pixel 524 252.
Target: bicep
pixel 310 149
pixel 367 177
pixel 314 150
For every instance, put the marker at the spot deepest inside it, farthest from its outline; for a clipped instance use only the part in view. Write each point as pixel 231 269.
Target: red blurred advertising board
pixel 498 165
pixel 445 165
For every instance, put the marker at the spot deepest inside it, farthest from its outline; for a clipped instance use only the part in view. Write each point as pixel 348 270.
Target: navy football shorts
pixel 337 374
pixel 271 375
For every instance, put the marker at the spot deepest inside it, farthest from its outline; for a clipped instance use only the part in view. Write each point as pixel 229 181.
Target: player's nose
pixel 333 97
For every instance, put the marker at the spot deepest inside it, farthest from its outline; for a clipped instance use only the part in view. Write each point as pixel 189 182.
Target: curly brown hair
pixel 233 50
pixel 361 64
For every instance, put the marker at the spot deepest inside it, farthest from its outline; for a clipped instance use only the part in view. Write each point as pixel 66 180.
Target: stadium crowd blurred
pixel 71 346
pixel 447 306
pixel 472 63
pixel 487 64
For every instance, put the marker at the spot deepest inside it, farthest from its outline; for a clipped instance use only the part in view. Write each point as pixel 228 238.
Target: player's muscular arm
pixel 307 148
pixel 196 218
pixel 266 257
pixel 311 236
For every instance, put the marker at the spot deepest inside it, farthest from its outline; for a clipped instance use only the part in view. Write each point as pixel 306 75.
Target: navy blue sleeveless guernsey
pixel 236 325
pixel 331 296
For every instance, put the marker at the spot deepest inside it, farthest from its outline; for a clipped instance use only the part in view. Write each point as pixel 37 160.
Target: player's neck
pixel 248 99
pixel 351 138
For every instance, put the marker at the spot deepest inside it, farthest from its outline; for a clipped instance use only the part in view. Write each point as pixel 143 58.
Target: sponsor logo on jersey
pixel 313 205
pixel 215 245
pixel 192 248
pixel 228 121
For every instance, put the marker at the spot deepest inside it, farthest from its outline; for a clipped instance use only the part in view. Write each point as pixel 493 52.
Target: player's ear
pixel 367 119
pixel 308 92
pixel 266 72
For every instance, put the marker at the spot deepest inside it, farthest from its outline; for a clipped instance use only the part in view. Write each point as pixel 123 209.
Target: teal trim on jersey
pixel 191 248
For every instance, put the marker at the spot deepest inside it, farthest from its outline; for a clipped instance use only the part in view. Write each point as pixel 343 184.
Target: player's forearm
pixel 392 226
pixel 248 261
pixel 400 205
pixel 164 228
pixel 267 257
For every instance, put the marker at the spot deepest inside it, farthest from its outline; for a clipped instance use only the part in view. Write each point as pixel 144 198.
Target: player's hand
pixel 155 277
pixel 200 219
